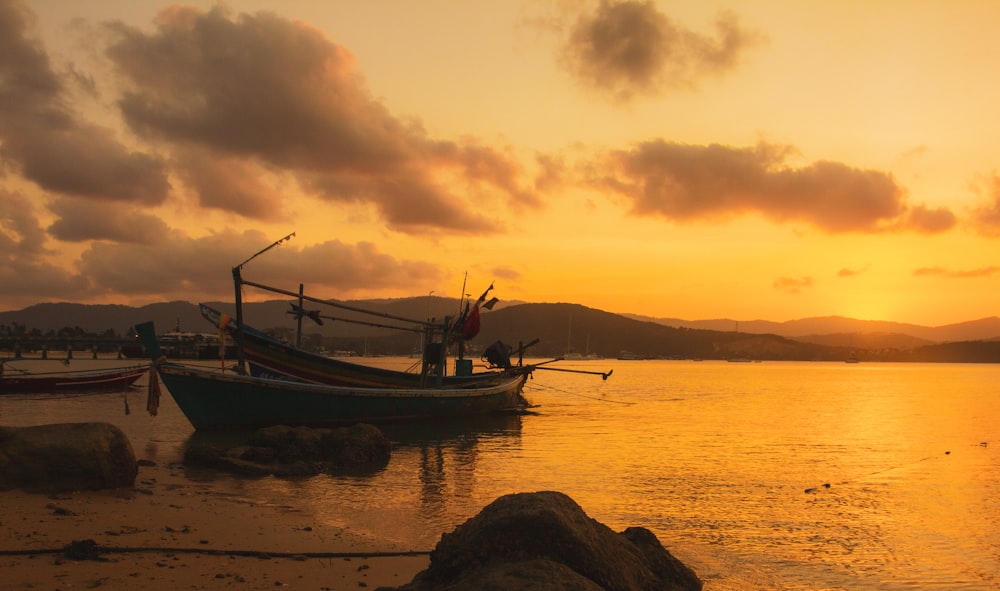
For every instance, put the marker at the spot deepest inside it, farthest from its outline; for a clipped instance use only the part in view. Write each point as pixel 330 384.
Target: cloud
pixel 136 256
pixel 506 273
pixel 792 284
pixel 21 233
pixel 230 184
pixel 259 88
pixel 930 221
pixel 24 271
pixel 46 140
pixel 182 267
pixel 956 274
pixel 986 218
pixel 552 174
pixel 631 48
pixel 81 221
pixel 682 182
pixel 845 272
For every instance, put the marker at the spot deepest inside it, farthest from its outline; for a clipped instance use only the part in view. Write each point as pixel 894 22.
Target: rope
pixel 48 396
pixel 815 489
pixel 90 550
pixel 597 398
pixel 72 372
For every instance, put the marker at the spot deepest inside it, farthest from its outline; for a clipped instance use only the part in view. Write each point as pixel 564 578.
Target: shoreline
pixel 177 533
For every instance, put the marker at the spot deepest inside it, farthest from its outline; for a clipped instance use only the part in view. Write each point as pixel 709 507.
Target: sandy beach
pixel 175 533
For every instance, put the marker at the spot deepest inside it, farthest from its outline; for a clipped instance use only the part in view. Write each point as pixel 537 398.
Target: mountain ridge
pixel 182 315
pixel 559 328
pixel 987 328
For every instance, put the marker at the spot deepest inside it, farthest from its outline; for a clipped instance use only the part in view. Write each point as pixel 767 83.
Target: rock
pixel 66 457
pixel 296 451
pixel 544 541
pixel 529 575
pixel 83 550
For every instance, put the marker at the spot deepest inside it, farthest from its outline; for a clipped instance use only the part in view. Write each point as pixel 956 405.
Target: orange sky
pixel 689 159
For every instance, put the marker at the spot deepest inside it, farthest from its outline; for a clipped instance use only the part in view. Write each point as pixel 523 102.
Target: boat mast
pixel 238 286
pixel 238 283
pixel 298 325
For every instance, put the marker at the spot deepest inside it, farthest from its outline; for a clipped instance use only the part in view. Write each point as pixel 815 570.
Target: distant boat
pixel 54 382
pixel 630 356
pixel 178 344
pixel 573 355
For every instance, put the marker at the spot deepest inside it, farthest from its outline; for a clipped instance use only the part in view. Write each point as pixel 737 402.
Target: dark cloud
pixel 21 233
pixel 408 201
pixel 30 281
pixel 150 261
pixel 956 274
pixel 42 137
pixel 185 267
pixel 81 221
pixel 23 270
pixel 86 161
pixel 631 48
pixel 685 182
pixel 266 89
pixel 792 284
pixel 230 184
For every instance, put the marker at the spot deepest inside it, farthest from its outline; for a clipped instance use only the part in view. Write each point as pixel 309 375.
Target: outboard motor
pixel 497 355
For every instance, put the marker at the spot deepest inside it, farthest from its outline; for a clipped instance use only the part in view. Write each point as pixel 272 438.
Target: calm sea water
pixel 767 475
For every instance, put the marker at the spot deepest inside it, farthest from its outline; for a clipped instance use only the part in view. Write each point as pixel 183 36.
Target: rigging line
pixel 597 398
pixel 97 372
pixel 48 396
pixel 263 250
pixel 362 322
pixel 332 303
pixel 875 473
pixel 97 549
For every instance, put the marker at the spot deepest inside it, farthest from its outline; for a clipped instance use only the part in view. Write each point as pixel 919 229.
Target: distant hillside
pixel 561 328
pixel 982 329
pixel 185 316
pixel 866 340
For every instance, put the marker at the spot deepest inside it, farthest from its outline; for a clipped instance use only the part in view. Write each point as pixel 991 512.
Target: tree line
pixel 18 330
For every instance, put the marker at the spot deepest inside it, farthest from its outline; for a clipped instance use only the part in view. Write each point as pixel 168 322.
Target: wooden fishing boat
pixel 317 390
pixel 55 382
pixel 270 358
pixel 214 399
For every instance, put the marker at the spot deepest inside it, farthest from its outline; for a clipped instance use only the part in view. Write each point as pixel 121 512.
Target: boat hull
pixel 72 381
pixel 214 400
pixel 270 358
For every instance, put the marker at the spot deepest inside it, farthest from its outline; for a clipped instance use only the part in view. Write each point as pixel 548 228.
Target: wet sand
pixel 172 533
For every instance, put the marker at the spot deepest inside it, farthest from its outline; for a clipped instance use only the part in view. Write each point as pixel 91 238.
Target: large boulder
pixel 296 451
pixel 66 457
pixel 544 541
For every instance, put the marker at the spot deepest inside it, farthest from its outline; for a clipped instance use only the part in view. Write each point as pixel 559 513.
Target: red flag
pixel 470 327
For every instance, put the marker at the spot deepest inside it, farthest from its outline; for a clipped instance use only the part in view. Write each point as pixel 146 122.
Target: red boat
pixel 54 382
